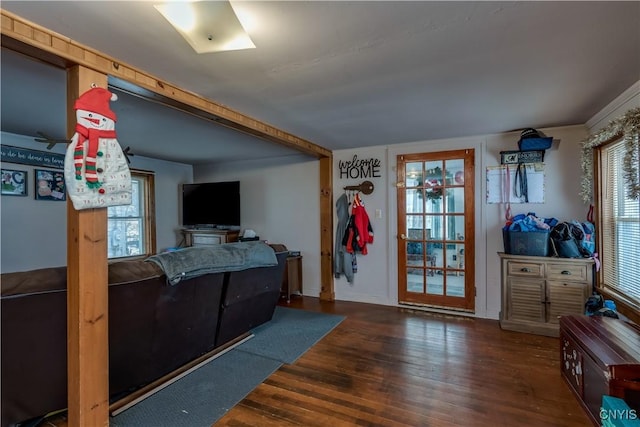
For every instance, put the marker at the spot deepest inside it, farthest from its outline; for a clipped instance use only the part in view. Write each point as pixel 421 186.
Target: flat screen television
pixel 211 205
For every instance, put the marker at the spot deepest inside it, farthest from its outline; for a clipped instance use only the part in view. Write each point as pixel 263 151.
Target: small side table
pixel 292 280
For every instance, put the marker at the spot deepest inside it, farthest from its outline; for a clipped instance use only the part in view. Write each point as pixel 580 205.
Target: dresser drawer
pixel 567 272
pixel 526 269
pixel 203 239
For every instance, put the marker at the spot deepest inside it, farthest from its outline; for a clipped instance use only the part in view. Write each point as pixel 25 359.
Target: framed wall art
pixel 14 182
pixel 50 185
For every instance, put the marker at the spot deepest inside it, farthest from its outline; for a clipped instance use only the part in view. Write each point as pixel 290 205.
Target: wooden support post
pixel 327 292
pixel 87 293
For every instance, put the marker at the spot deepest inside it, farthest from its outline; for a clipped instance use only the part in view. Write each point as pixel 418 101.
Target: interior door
pixel 435 229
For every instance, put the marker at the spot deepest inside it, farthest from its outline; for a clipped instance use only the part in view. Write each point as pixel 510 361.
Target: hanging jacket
pixel 350 238
pixel 343 260
pixel 359 231
pixel 363 225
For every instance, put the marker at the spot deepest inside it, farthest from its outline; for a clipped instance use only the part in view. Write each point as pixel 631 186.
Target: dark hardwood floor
pixel 386 366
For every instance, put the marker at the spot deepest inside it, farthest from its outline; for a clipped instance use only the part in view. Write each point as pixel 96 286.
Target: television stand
pixel 209 236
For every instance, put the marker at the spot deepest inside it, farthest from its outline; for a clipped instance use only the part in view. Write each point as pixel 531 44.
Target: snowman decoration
pixel 95 168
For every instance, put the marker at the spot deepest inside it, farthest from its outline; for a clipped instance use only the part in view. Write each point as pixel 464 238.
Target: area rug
pixel 202 397
pixel 289 334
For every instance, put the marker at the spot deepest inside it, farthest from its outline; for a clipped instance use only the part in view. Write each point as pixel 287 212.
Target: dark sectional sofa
pixel 154 327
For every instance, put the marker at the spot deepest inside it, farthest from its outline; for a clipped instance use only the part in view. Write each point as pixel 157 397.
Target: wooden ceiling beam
pixel 44 44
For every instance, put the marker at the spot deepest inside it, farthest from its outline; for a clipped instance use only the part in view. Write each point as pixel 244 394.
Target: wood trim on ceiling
pixel 41 43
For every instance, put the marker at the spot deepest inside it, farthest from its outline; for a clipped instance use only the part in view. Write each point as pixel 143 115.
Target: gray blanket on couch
pixel 198 260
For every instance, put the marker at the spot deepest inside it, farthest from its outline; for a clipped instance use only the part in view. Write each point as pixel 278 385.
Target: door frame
pixel 468 303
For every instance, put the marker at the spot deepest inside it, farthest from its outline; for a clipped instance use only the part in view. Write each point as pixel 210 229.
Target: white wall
pixel 280 201
pixel 371 282
pixel 33 233
pixel 376 280
pixel 168 176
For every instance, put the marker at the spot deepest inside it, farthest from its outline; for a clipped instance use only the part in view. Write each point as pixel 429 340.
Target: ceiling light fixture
pixel 208 26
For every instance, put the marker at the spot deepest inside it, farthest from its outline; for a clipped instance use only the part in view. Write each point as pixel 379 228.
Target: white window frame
pixel 144 217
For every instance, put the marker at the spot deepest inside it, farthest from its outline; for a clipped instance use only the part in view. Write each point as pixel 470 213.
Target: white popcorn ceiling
pixel 345 74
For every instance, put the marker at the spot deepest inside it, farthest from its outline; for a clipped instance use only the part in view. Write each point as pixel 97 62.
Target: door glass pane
pixel 413 175
pixel 455 227
pixel 436 255
pixel 454 172
pixel 414 189
pixel 458 256
pixel 455 284
pixel 433 186
pixel 435 224
pixel 414 225
pixel 435 283
pixel 433 199
pixel 454 199
pixel 415 253
pixel 415 280
pixel 413 200
pixel 433 172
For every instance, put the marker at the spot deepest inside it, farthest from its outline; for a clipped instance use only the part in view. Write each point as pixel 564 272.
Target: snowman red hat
pixel 97 100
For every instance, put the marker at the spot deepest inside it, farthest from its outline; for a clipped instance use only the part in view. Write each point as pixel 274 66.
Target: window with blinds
pixel 619 227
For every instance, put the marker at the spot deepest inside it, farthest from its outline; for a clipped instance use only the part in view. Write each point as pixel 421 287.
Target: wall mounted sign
pixel 359 168
pixel 26 156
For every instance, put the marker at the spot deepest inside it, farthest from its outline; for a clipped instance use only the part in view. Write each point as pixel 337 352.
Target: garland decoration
pixel 626 127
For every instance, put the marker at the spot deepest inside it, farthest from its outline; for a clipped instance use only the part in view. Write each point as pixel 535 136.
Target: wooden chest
pixel 600 356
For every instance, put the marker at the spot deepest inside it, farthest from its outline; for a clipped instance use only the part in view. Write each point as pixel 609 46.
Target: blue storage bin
pixel 534 243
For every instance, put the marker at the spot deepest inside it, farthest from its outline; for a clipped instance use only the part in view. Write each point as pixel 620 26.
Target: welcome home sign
pixel 359 168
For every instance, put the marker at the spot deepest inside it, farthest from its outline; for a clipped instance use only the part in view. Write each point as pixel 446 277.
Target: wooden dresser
pixel 600 356
pixel 536 291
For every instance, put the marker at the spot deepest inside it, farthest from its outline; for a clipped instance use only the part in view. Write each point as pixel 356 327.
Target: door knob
pixel 403 237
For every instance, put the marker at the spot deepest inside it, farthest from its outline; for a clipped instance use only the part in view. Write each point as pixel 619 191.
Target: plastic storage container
pixel 534 243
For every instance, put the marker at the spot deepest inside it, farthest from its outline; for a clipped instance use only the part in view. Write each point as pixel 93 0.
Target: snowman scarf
pixel 92 135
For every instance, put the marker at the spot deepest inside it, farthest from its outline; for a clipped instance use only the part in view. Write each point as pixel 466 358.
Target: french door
pixel 436 229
